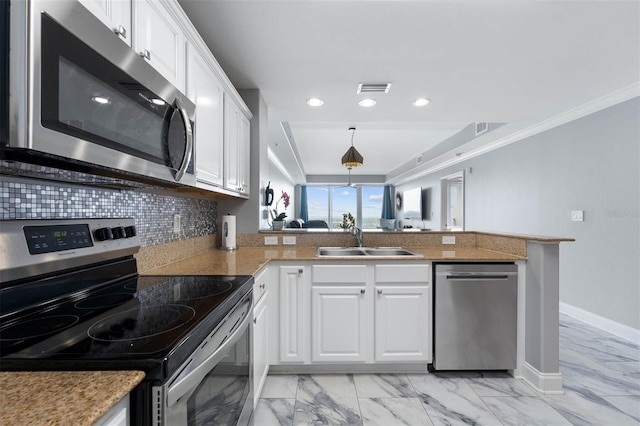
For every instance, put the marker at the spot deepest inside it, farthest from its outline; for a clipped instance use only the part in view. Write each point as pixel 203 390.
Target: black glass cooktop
pixel 140 317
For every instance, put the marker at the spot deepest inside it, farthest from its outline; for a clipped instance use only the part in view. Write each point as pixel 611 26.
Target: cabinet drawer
pixel 339 274
pixel 402 273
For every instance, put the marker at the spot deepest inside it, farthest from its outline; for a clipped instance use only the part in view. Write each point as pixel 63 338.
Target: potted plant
pixel 278 218
pixel 348 221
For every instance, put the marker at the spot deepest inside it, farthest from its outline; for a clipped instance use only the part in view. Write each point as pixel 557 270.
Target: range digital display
pixel 47 239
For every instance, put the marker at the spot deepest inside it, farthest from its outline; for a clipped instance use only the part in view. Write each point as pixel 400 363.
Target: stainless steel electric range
pixel 71 299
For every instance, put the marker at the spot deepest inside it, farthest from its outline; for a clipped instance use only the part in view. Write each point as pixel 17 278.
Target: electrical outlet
pixel 577 215
pixel 289 240
pixel 448 239
pixel 176 224
pixel 270 241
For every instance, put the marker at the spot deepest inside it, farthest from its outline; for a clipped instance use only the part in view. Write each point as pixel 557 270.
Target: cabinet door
pixel 159 39
pixel 205 90
pixel 293 314
pixel 338 324
pixel 260 347
pixel 244 146
pixel 231 145
pixel 115 14
pixel 403 323
pixel 237 148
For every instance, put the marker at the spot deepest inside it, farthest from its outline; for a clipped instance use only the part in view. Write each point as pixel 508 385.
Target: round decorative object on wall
pixel 398 201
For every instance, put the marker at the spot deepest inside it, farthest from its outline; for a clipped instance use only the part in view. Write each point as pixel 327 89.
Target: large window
pixel 329 203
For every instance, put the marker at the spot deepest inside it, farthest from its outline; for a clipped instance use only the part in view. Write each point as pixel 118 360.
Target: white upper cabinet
pixel 236 148
pixel 205 90
pixel 160 32
pixel 159 39
pixel 115 14
pixel 244 139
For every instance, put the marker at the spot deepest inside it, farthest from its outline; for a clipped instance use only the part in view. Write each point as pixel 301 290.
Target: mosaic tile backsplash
pixel 153 212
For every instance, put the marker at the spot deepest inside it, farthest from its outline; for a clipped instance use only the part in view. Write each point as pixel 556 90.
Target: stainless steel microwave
pixel 80 97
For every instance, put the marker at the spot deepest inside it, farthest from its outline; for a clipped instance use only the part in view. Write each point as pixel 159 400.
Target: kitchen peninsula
pixel 537 259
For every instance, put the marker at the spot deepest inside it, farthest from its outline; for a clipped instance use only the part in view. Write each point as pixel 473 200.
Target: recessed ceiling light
pixel 157 101
pixel 367 102
pixel 100 99
pixel 421 102
pixel 315 102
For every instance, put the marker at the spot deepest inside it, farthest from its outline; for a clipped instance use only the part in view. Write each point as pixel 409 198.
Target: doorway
pixel 452 190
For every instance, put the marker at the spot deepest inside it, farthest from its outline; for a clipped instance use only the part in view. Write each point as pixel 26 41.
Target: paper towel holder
pixel 227 243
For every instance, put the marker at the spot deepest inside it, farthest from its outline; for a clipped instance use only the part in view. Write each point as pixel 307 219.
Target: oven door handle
pixel 189 382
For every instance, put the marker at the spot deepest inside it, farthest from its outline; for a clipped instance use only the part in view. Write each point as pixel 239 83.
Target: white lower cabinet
pixel 339 326
pixel 370 313
pixel 260 347
pixel 402 323
pixel 351 313
pixel 403 316
pixel 294 314
pixel 260 331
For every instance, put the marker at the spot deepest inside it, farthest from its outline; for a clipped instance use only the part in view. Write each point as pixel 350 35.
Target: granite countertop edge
pixel 62 397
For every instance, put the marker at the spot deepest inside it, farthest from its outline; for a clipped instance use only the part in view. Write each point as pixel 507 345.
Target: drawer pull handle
pixel 146 54
pixel 379 291
pixel 362 291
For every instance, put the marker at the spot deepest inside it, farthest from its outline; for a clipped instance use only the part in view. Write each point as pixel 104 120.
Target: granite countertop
pixel 249 260
pixel 62 397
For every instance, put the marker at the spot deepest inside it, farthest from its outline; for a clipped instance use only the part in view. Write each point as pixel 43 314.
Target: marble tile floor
pixel 601 381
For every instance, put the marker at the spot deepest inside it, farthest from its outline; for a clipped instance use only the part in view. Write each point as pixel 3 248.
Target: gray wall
pixel 531 186
pixel 279 183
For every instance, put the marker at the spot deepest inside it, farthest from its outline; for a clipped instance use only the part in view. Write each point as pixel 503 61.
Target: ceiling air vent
pixel 481 128
pixel 374 87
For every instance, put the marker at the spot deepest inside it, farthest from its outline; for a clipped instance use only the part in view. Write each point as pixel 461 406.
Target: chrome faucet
pixel 357 232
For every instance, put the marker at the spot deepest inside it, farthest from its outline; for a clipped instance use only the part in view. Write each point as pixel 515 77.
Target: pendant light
pixel 352 157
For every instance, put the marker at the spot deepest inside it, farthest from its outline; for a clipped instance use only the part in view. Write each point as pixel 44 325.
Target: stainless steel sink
pixel 365 252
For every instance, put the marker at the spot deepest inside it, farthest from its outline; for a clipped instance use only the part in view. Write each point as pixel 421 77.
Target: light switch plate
pixel 448 239
pixel 289 240
pixel 270 241
pixel 577 215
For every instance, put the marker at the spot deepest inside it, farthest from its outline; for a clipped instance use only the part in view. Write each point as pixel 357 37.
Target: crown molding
pixel 583 110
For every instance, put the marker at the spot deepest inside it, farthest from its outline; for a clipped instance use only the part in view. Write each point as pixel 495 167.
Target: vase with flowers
pixel 277 219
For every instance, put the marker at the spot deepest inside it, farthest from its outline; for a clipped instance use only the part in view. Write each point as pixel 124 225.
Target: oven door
pixel 94 100
pixel 214 385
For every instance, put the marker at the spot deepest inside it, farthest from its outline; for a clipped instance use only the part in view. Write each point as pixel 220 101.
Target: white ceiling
pixel 507 61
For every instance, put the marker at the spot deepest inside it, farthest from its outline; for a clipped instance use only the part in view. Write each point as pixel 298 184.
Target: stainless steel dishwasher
pixel 475 311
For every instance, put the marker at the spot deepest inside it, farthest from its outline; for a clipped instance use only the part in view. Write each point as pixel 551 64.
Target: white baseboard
pixel 547 383
pixel 605 324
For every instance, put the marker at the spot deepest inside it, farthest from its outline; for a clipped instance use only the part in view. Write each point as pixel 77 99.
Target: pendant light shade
pixel 352 157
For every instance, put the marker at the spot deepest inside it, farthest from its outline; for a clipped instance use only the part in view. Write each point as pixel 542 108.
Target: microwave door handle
pixel 189 136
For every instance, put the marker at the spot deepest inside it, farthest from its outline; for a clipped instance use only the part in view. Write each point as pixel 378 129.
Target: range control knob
pixel 103 234
pixel 129 231
pixel 118 232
